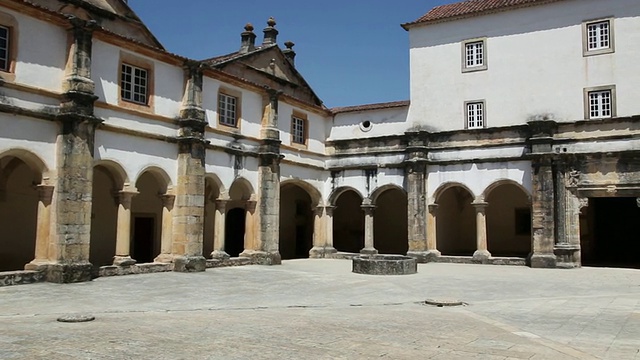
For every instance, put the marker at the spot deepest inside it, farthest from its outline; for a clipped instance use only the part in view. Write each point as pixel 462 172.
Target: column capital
pixel 167 200
pixel 368 208
pixel 250 205
pixel 124 197
pixel 480 205
pixel 433 208
pixel 221 204
pixel 45 193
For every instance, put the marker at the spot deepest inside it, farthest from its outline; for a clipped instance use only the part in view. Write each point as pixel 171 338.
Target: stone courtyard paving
pixel 318 309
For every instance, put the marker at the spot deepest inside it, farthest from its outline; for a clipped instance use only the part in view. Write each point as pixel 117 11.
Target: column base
pixel 219 255
pixel 424 256
pixel 567 256
pixel 542 261
pixel 123 261
pixel 189 264
pixel 164 258
pixel 320 252
pixel 369 251
pixel 262 257
pixel 37 265
pixel 69 273
pixel 481 255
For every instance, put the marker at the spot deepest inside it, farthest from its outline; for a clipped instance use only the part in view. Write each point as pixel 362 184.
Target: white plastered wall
pixel 35 136
pixel 361 182
pixel 383 122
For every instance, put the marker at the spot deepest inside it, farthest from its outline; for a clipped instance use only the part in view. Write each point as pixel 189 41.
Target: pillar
pixel 188 210
pixel 219 230
pixel 166 236
pixel 568 206
pixel 417 214
pixel 368 209
pixel 123 233
pixel 70 230
pixel 432 220
pixel 481 252
pixel 43 228
pixel 322 232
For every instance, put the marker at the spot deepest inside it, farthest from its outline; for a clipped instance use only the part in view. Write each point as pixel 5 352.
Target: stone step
pixel 8 278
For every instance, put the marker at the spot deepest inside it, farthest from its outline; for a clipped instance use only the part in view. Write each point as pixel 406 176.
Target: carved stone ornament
pixel 583 203
pixel 573 178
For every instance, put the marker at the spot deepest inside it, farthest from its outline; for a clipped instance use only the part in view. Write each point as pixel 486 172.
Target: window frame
pixel 133 84
pixel 485 64
pixel 305 130
pixel 9 22
pixel 585 37
pixel 143 64
pixel 229 94
pixel 600 89
pixel 466 114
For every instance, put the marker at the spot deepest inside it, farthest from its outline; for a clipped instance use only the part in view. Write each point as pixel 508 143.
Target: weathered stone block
pixel 384 265
pixel 189 263
pixel 69 273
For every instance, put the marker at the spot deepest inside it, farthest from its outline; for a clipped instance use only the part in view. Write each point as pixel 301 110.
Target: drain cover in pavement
pixel 444 302
pixel 76 318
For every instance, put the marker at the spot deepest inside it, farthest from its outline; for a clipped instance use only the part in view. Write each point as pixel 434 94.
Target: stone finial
pixel 248 37
pixel 289 53
pixel 270 32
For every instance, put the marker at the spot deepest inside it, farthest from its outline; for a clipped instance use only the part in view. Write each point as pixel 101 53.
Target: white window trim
pixel 588 92
pixel 294 132
pixel 224 118
pixel 472 68
pixel 132 91
pixel 586 51
pixel 467 119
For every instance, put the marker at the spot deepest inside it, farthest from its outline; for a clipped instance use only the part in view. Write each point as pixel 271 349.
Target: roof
pixel 471 8
pixel 378 106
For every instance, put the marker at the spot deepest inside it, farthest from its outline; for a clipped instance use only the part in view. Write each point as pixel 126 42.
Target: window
pixel 5 38
pixel 475 115
pixel 600 102
pixel 598 37
pixel 134 84
pixel 227 110
pixel 298 130
pixel 474 55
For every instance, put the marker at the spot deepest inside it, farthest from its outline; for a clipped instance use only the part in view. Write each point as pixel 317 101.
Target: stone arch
pixel 159 174
pixel 508 218
pixel 335 194
pixel 446 186
pixel 298 201
pixel 21 172
pixel 118 173
pixel 240 217
pixel 241 189
pixel 214 191
pixel 390 222
pixel 348 220
pixel 455 220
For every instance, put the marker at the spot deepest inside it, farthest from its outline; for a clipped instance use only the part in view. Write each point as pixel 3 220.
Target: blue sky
pixel 351 52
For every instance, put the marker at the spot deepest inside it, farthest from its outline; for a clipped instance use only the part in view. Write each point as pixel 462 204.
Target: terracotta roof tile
pixel 472 8
pixel 387 105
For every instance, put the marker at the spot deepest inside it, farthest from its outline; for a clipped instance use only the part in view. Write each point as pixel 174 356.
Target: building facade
pixel 519 145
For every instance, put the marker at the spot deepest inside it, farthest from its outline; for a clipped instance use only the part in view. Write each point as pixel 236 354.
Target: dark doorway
pixel 234 232
pixel 143 236
pixel 348 223
pixel 296 223
pixel 616 233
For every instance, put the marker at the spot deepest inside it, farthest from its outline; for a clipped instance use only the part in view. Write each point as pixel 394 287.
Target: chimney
pixel 248 39
pixel 270 32
pixel 289 53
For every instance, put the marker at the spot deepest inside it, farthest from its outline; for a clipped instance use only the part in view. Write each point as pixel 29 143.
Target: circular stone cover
pixel 76 318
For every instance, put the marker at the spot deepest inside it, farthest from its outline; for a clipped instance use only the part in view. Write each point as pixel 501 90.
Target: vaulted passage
pixel 390 223
pixel 348 223
pixel 508 221
pixel 104 217
pixel 211 193
pixel 610 233
pixel 296 222
pixel 235 232
pixel 18 213
pixel 456 225
pixel 147 209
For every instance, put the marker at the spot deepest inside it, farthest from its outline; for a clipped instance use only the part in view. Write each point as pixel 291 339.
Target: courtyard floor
pixel 318 309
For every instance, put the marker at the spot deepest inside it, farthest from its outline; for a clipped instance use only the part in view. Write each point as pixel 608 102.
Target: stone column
pixel 322 232
pixel 568 206
pixel 481 252
pixel 432 244
pixel 123 234
pixel 219 231
pixel 71 212
pixel 369 248
pixel 543 193
pixel 268 211
pixel 415 174
pixel 188 217
pixel 43 228
pixel 166 236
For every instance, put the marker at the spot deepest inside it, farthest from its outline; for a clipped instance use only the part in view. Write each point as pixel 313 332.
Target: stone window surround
pixel 585 37
pixel 305 120
pixel 237 94
pixel 145 64
pixel 466 114
pixel 587 109
pixel 485 57
pixel 9 22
